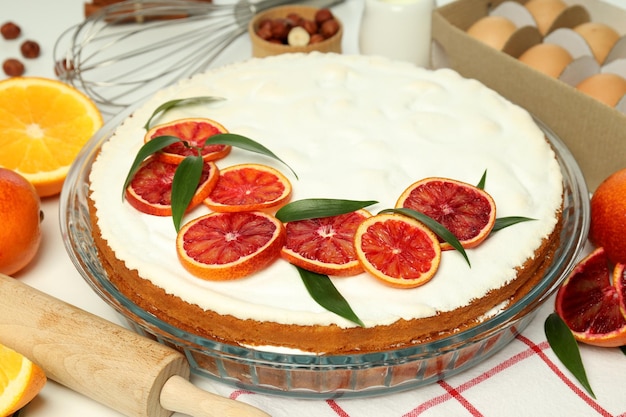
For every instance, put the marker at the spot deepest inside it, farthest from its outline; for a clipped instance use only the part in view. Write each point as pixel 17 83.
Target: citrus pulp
pixel 45 123
pixel 465 210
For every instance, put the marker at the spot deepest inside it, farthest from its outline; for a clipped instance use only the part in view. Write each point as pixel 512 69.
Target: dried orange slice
pixel 194 131
pixel 150 190
pixel 249 187
pixel 43 125
pixel 591 301
pixel 20 380
pixel 464 209
pixel 325 245
pixel 225 246
pixel 397 249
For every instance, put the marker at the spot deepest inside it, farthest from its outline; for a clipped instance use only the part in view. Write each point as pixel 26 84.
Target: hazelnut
pixel 323 15
pixel 310 26
pixel 63 68
pixel 317 38
pixel 30 49
pixel 10 30
pixel 298 36
pixel 280 29
pixel 294 19
pixel 13 67
pixel 329 28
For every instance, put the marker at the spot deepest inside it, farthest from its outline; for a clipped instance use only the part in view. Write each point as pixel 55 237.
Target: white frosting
pixel 351 127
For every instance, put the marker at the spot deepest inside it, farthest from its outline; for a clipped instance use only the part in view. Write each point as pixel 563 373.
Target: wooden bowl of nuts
pixel 294 28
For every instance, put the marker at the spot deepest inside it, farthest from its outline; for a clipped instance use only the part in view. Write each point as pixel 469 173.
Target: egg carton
pixel 563 42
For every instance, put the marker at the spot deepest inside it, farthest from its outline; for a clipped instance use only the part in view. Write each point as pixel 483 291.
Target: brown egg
pixel 548 58
pixel 605 87
pixel 492 30
pixel 600 37
pixel 545 12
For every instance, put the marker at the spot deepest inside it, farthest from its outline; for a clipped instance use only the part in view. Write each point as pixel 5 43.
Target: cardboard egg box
pixel 594 132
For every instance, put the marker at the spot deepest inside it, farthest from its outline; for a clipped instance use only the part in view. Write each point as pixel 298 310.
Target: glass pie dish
pixel 325 376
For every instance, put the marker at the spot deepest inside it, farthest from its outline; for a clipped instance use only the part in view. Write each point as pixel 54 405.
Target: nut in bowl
pixel 292 29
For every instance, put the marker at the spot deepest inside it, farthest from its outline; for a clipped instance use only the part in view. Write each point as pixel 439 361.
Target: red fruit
pixel 608 217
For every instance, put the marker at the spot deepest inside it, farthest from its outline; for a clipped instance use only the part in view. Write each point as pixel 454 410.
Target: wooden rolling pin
pixel 106 362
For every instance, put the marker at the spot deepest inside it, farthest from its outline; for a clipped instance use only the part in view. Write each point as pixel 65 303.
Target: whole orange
pixel 20 218
pixel 608 216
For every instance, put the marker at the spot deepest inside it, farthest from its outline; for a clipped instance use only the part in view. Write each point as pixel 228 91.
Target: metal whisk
pixel 128 50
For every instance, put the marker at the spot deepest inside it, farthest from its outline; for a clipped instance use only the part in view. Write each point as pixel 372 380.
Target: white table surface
pixel 53 272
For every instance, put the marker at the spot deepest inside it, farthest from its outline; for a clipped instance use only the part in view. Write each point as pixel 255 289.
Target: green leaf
pixel 145 151
pixel 179 103
pixel 483 180
pixel 324 292
pixel 314 208
pixel 245 143
pixel 184 185
pixel 433 225
pixel 623 349
pixel 565 347
pixel 504 222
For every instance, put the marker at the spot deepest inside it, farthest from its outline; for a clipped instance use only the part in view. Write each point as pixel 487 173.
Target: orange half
pixel 44 123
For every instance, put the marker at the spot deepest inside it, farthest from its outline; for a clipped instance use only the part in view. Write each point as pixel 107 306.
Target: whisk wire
pixel 130 49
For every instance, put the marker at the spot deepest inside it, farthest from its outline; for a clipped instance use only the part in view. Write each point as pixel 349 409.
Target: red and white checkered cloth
pixel 523 379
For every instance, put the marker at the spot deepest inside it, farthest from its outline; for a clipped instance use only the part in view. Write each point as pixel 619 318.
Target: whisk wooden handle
pixel 104 361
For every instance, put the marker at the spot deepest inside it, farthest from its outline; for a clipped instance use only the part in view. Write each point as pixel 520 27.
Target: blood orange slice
pixel 194 131
pixel 325 245
pixel 588 301
pixel 465 210
pixel 150 190
pixel 225 246
pixel 249 187
pixel 397 249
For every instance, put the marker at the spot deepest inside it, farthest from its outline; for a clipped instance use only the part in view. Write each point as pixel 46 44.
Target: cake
pixel 351 127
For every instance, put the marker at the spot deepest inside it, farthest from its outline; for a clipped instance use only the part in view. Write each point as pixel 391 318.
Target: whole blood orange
pixel 249 187
pixel 465 210
pixel 398 250
pixel 225 246
pixel 608 216
pixel 325 245
pixel 590 303
pixel 193 131
pixel 150 190
pixel 20 217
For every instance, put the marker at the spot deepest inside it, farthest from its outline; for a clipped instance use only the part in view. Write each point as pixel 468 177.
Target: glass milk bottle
pixel 397 29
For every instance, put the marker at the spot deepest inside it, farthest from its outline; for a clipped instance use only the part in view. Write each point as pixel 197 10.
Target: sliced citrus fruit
pixel 194 131
pixel 588 301
pixel 20 380
pixel 43 125
pixel 325 245
pixel 249 187
pixel 225 246
pixel 150 190
pixel 397 249
pixel 465 210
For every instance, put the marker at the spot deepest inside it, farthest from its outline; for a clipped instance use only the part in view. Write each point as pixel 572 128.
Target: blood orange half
pixel 465 210
pixel 194 131
pixel 225 246
pixel 397 249
pixel 325 245
pixel 589 301
pixel 249 187
pixel 150 190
